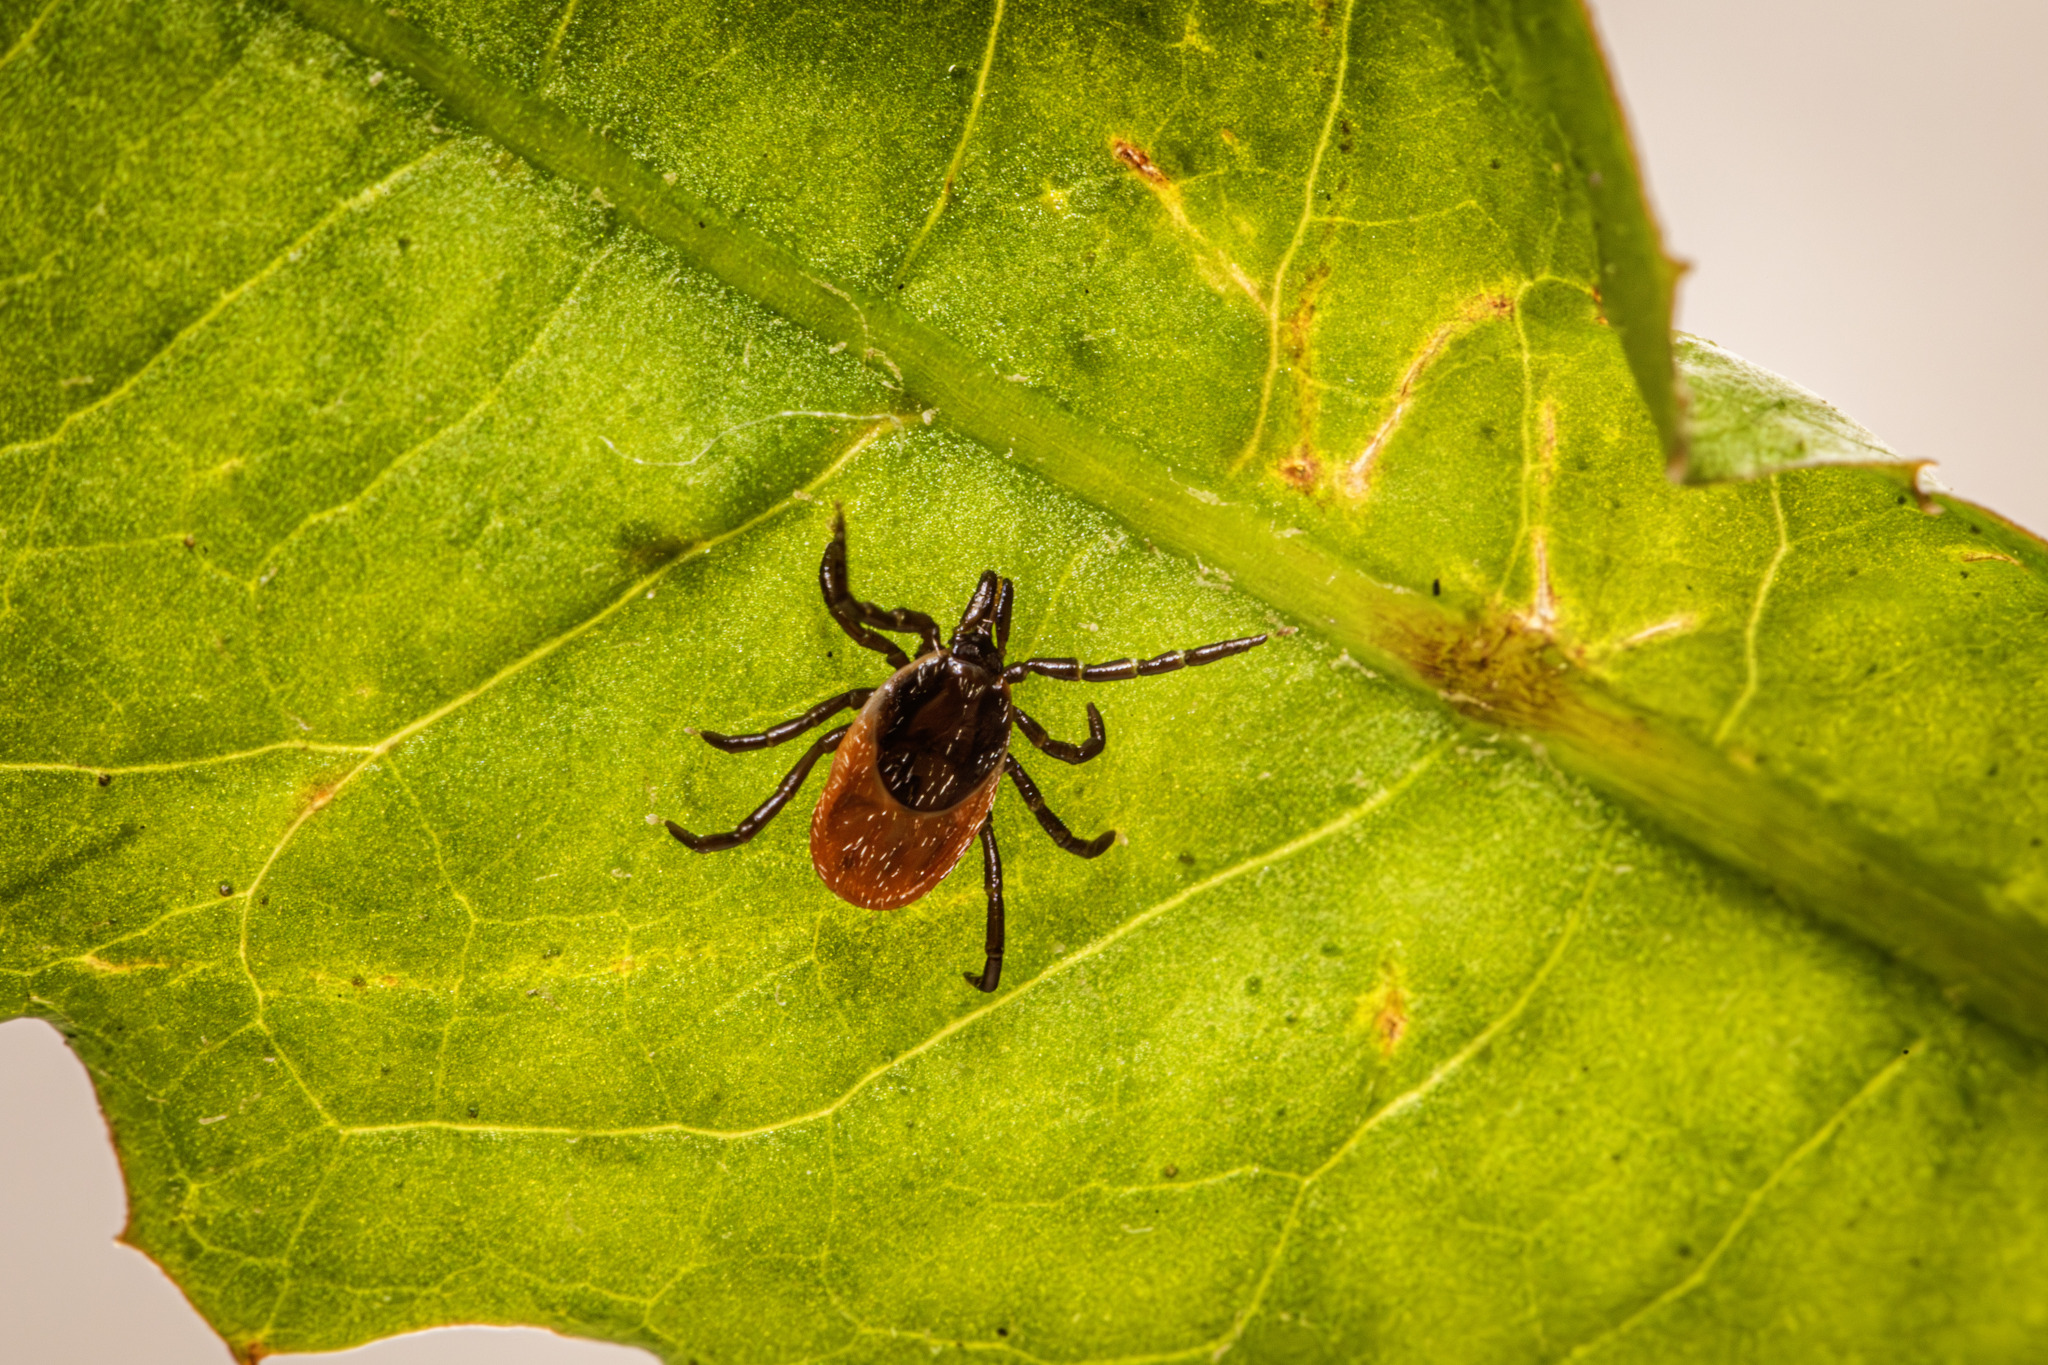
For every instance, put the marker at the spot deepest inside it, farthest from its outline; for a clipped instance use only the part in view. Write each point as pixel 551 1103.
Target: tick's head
pixel 984 630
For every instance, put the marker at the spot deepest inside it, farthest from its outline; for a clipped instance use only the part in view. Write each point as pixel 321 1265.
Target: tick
pixel 914 775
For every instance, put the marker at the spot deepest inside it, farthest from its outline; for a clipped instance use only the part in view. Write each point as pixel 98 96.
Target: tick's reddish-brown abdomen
pixel 871 849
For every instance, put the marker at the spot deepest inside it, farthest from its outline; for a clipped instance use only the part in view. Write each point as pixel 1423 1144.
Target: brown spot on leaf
pixel 1384 1011
pixel 1496 667
pixel 314 796
pixel 1302 468
pixel 1218 269
pixel 1134 156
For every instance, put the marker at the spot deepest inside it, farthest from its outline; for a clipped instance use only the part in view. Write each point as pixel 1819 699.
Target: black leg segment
pixel 855 616
pixel 767 810
pixel 1119 670
pixel 1053 825
pixel 789 729
pixel 1059 748
pixel 992 878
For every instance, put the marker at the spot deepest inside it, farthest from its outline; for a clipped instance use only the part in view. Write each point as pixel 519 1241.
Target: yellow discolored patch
pixel 100 964
pixel 1219 271
pixel 1384 1012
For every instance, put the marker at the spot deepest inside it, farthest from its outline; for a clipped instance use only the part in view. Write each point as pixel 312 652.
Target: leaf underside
pixel 389 474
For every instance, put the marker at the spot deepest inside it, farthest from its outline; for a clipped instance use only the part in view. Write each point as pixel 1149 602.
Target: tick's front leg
pixel 767 810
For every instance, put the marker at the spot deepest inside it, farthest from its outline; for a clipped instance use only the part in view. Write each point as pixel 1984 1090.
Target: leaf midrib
pixel 1941 919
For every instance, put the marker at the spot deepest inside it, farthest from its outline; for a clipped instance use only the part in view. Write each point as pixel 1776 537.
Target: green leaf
pixel 1745 422
pixel 414 424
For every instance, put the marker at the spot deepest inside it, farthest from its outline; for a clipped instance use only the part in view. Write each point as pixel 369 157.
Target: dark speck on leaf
pixel 1684 1249
pixel 1170 1172
pixel 264 901
pixel 955 72
pixel 1494 164
pixel 106 778
pixel 1186 859
pixel 190 542
pixel 1252 985
pixel 1332 950
pixel 472 1111
pixel 227 888
pixel 356 981
pixel 1436 587
pixel 647 547
pixel 404 242
pixel 1002 1331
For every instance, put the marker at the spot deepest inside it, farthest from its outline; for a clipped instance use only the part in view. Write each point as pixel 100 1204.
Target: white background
pixel 1862 190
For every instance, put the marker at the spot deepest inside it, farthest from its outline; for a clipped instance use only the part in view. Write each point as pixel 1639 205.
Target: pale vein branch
pixel 965 1021
pixel 1756 615
pixel 1308 210
pixel 1414 1095
pixel 1870 1088
pixel 931 219
pixel 483 403
pixel 27 40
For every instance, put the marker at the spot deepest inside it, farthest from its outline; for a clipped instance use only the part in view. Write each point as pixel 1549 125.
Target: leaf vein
pixel 931 219
pixel 1870 1088
pixel 1378 801
pixel 1308 208
pixel 404 457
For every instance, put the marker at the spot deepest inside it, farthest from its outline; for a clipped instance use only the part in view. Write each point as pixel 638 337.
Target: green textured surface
pixel 502 458
pixel 1745 422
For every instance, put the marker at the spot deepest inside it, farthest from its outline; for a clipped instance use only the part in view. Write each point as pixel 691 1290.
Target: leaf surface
pixel 415 423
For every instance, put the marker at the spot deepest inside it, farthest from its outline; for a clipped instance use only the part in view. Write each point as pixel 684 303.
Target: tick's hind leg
pixel 855 616
pixel 789 729
pixel 1059 748
pixel 1054 826
pixel 767 810
pixel 992 878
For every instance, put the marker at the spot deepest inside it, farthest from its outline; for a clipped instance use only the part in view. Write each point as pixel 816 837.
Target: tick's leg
pixel 855 616
pixel 789 729
pixel 992 877
pixel 766 811
pixel 1117 670
pixel 1059 748
pixel 1054 826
